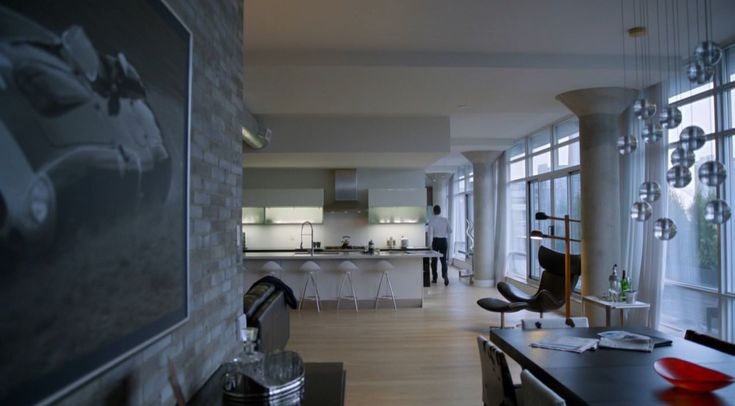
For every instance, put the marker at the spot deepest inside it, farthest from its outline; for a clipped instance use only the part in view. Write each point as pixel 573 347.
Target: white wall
pixel 335 224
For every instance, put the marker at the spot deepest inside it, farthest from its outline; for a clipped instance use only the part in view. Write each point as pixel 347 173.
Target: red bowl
pixel 689 376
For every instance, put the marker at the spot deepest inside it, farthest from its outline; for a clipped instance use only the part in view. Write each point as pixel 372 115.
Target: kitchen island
pixel 406 278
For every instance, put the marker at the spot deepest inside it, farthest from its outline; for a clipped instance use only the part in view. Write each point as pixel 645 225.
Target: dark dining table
pixel 613 377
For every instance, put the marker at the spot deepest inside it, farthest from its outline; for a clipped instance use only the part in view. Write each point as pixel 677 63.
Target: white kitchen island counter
pixel 406 278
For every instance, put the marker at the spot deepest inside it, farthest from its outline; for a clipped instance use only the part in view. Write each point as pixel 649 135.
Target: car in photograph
pixel 75 127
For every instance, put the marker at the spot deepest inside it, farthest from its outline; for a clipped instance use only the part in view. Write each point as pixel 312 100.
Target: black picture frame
pixel 95 128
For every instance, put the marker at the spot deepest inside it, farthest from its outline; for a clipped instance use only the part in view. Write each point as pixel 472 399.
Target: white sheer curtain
pixel 458 216
pixel 499 217
pixel 632 172
pixel 653 259
pixel 451 212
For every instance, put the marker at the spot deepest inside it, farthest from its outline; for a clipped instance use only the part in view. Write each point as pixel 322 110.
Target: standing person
pixel 439 231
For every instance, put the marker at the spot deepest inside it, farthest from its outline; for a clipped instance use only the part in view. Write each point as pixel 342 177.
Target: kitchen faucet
pixel 311 235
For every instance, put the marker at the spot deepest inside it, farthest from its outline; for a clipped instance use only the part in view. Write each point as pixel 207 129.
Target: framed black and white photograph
pixel 94 161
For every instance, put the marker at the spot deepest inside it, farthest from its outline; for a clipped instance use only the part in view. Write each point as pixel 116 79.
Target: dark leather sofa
pixel 266 308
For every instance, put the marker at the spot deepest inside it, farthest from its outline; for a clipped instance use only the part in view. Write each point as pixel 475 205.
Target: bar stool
pixel 346 267
pixel 385 267
pixel 271 268
pixel 311 268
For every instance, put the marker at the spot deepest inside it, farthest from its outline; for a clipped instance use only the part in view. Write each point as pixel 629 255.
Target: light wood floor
pixel 424 356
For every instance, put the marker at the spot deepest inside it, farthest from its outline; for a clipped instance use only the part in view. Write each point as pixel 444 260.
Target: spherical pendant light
pixel 641 211
pixel 692 138
pixel 678 176
pixel 680 156
pixel 717 212
pixel 649 191
pixel 643 109
pixel 712 173
pixel 652 132
pixel 670 117
pixel 708 53
pixel 627 144
pixel 664 229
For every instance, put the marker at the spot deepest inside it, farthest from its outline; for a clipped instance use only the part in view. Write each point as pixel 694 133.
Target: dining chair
pixel 497 385
pixel 535 393
pixel 709 341
pixel 534 324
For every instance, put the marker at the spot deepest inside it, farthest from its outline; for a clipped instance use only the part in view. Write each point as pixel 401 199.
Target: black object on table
pixel 609 376
pixel 324 385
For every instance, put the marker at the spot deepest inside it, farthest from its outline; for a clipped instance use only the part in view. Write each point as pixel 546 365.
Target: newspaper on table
pixel 625 340
pixel 566 343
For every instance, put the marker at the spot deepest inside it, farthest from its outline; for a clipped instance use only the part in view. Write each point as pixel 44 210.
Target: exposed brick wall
pixel 208 338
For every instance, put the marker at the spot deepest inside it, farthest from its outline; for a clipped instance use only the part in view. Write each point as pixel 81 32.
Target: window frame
pixel 553 173
pixel 723 138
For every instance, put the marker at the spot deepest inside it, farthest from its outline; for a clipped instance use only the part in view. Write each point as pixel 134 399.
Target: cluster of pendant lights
pixel 700 70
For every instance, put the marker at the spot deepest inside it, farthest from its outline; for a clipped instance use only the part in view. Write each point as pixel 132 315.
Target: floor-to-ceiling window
pixel 516 241
pixel 698 284
pixel 463 214
pixel 543 175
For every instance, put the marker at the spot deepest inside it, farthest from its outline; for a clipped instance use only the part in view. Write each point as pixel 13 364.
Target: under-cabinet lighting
pixel 253 215
pixel 397 215
pixel 293 215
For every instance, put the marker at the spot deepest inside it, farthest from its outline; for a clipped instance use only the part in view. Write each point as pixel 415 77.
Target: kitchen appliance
pixel 404 243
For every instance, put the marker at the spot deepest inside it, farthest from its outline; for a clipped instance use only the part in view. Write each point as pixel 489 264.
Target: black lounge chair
pixel 550 294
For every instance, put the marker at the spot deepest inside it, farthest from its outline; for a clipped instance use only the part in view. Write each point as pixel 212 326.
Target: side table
pixel 610 306
pixel 467 273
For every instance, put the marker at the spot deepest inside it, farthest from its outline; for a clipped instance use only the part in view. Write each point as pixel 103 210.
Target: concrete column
pixel 483 262
pixel 599 111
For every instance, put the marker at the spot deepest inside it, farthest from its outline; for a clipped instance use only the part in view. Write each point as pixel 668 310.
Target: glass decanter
pixel 249 361
pixel 614 289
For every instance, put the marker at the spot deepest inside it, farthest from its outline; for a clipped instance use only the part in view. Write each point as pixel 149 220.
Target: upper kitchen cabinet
pixel 397 206
pixel 283 206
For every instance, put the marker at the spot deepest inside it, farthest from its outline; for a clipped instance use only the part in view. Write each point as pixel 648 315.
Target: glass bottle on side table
pixel 614 289
pixel 624 287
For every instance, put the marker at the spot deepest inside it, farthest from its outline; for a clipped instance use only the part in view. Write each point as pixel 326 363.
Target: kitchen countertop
pixel 343 255
pixel 334 249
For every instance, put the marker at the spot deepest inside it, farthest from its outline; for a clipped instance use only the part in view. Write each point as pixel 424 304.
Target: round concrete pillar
pixel 483 261
pixel 599 111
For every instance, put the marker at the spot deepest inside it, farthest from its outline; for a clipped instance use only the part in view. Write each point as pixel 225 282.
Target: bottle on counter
pixel 371 247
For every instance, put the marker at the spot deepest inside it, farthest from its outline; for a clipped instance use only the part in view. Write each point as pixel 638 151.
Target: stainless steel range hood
pixel 345 192
pixel 345 185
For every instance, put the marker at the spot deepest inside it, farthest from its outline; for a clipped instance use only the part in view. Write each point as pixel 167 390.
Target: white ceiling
pixel 493 67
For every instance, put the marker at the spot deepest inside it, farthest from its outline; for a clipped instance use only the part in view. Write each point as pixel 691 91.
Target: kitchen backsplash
pixel 331 231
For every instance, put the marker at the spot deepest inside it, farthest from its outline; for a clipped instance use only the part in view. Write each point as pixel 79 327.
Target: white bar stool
pixel 311 268
pixel 385 267
pixel 271 268
pixel 346 267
